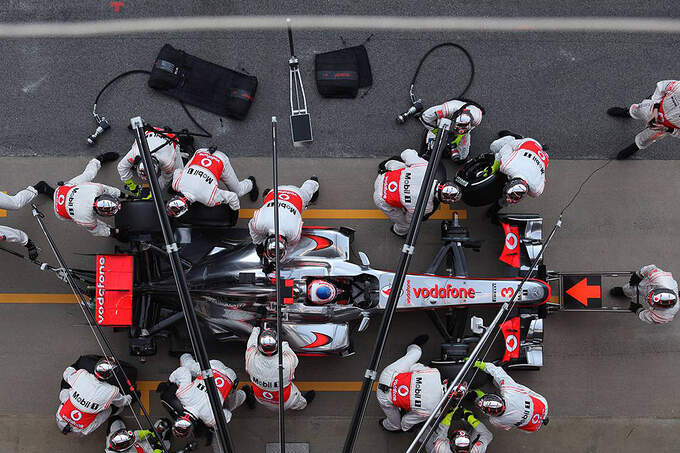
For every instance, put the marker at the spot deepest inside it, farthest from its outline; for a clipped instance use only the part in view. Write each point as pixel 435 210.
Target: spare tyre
pixel 480 185
pixel 200 215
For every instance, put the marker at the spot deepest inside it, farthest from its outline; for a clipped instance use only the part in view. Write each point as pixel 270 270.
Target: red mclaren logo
pixel 321 242
pixel 320 340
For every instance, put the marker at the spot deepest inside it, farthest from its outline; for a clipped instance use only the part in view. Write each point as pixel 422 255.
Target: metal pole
pixel 279 329
pixel 448 394
pixel 92 320
pixel 407 250
pixel 290 38
pixel 183 290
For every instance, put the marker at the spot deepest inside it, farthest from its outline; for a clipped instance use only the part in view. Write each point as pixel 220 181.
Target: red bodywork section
pixel 113 293
pixel 511 247
pixel 511 333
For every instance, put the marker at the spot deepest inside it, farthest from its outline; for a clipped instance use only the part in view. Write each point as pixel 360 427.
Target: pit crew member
pixel 653 293
pixel 462 441
pixel 18 201
pixel 464 116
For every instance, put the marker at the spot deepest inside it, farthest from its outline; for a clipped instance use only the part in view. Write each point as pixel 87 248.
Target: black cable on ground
pixel 427 54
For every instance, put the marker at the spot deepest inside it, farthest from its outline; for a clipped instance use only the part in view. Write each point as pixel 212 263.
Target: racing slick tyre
pixel 203 216
pixel 136 218
pixel 87 362
pixel 481 186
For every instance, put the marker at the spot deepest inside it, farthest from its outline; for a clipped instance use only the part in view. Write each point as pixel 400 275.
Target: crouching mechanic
pixel 166 159
pixel 18 201
pixel 293 201
pixel 661 113
pixel 409 387
pixel 87 404
pixel 464 116
pixel 122 440
pixel 517 406
pixel 199 182
pixel 397 187
pixel 193 394
pixel 80 200
pixel 462 440
pixel 524 162
pixel 659 291
pixel 262 364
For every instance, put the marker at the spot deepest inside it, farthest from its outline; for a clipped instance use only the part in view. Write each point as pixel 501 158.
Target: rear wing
pixel 113 290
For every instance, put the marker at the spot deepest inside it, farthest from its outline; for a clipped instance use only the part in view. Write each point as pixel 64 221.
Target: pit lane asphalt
pixel 602 372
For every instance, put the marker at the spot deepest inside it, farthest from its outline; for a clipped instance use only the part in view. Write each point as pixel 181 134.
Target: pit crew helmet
pixel 448 192
pixel 270 247
pixel 661 298
pixel 141 170
pixel 461 441
pixel 122 440
pixel 177 206
pixel 320 292
pixel 103 369
pixel 491 404
pixel 183 426
pixel 106 205
pixel 515 189
pixel 462 124
pixel 460 391
pixel 266 342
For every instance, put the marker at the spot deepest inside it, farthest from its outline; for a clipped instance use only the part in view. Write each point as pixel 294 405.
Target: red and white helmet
pixel 141 170
pixel 515 189
pixel 491 404
pixel 103 370
pixel 106 205
pixel 321 292
pixel 448 192
pixel 183 426
pixel 460 390
pixel 270 247
pixel 266 342
pixel 462 124
pixel 461 441
pixel 177 206
pixel 661 298
pixel 122 440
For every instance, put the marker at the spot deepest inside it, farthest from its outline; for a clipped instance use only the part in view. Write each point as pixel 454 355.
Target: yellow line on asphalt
pixel 444 213
pixel 37 298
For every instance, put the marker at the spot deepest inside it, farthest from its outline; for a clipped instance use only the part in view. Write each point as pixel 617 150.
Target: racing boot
pixel 617 291
pixel 108 157
pixel 619 112
pixel 316 194
pixel 309 396
pixel 505 132
pixel 628 151
pixel 255 191
pixel 395 233
pixel 44 188
pixel 380 422
pixel 250 396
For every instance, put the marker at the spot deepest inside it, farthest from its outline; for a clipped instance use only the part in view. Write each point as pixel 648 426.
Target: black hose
pixel 427 54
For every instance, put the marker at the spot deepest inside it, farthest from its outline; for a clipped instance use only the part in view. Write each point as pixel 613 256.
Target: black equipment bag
pixel 340 74
pixel 198 82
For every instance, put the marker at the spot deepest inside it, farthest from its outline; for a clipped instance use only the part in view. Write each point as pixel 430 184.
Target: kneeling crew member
pixel 657 288
pixel 193 394
pixel 199 182
pixel 293 201
pixel 80 200
pixel 397 187
pixel 166 159
pixel 408 386
pixel 661 113
pixel 464 116
pixel 87 404
pixel 262 364
pixel 524 162
pixel 18 201
pixel 462 440
pixel 122 440
pixel 517 406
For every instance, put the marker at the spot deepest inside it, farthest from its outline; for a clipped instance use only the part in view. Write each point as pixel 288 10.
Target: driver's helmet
pixel 462 124
pixel 141 170
pixel 448 192
pixel 266 342
pixel 491 404
pixel 183 426
pixel 177 206
pixel 515 189
pixel 270 247
pixel 121 440
pixel 661 298
pixel 461 441
pixel 321 292
pixel 106 205
pixel 103 370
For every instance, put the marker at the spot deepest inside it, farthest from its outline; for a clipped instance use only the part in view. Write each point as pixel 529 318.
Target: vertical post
pixel 183 290
pixel 290 38
pixel 407 250
pixel 279 329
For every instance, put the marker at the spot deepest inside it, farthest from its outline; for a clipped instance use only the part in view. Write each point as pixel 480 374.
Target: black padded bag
pixel 203 84
pixel 340 74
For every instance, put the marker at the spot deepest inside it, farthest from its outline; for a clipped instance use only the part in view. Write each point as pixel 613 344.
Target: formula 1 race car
pixel 232 291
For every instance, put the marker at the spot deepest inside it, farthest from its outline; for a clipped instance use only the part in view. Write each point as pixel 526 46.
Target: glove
pixel 132 187
pixel 480 365
pixel 635 279
pixel 32 250
pixel 447 419
pixel 145 193
pixel 470 418
pixel 634 307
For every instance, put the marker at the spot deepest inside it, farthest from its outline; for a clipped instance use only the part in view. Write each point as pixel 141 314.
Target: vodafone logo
pixel 511 343
pixel 206 162
pixel 536 419
pixel 511 241
pixel 61 199
pixel 402 390
pixel 268 395
pixel 219 382
pixel 76 415
pixel 284 196
pixel 392 186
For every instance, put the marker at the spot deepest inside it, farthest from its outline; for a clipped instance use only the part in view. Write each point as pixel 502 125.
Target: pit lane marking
pixel 3 212
pixel 443 213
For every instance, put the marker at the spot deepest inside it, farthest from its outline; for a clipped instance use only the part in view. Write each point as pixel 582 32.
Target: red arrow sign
pixel 582 292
